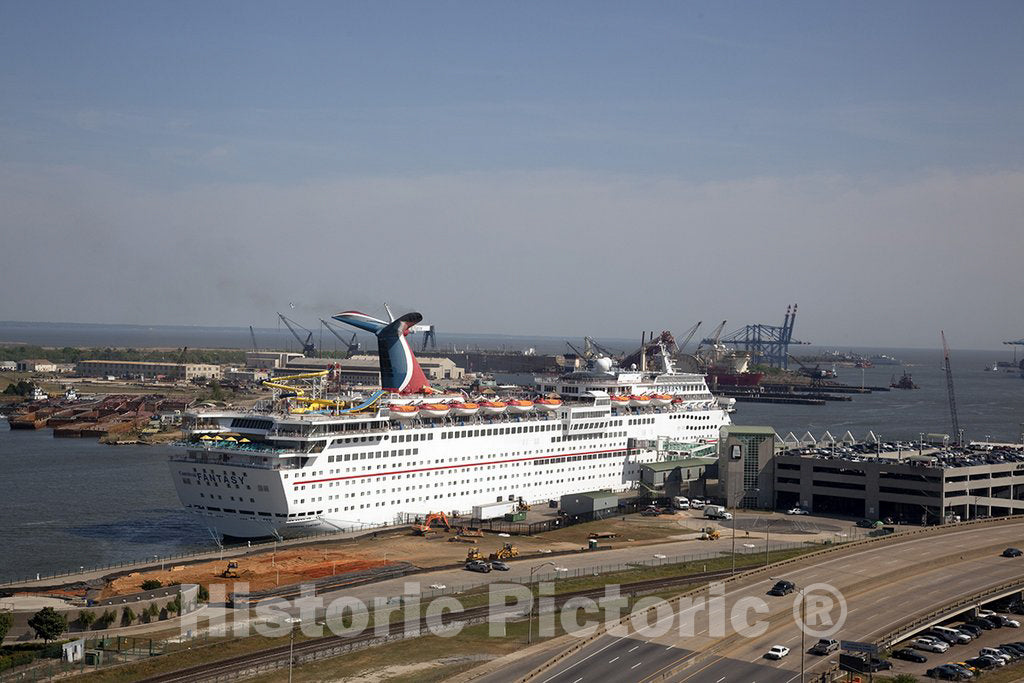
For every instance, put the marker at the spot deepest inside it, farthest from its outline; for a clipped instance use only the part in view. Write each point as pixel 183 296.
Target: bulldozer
pixel 506 552
pixel 709 533
pixel 473 554
pixel 425 528
pixel 231 572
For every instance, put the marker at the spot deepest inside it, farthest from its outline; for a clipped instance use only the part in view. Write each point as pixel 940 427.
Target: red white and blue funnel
pixel 399 370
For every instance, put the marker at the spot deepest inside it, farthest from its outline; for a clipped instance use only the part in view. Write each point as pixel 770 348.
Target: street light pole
pixel 529 616
pixel 291 645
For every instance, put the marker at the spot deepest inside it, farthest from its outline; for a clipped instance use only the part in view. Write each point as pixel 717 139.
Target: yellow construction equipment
pixel 464 535
pixel 506 552
pixel 424 529
pixel 709 533
pixel 523 506
pixel 231 572
pixel 473 554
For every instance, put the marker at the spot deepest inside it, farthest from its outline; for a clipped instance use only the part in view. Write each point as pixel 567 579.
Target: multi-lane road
pixel 882 586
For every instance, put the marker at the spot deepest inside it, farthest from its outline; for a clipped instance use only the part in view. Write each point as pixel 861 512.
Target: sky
pixel 518 168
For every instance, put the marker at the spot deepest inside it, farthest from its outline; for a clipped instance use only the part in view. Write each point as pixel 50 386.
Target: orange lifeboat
pixel 403 412
pixel 517 406
pixel 661 399
pixel 434 409
pixel 639 401
pixel 547 404
pixel 620 401
pixel 493 407
pixel 465 409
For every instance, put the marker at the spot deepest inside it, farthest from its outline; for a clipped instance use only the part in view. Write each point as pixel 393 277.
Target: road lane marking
pixel 720 679
pixel 635 666
pixel 578 680
pixel 612 660
pixel 633 648
pixel 546 680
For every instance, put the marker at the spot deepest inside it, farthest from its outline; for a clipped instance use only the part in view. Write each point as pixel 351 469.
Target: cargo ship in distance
pixel 304 461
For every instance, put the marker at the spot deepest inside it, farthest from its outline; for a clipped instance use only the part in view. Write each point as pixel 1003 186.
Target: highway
pixel 882 585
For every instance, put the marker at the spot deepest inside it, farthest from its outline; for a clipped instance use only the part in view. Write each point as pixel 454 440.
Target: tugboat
pixel 905 382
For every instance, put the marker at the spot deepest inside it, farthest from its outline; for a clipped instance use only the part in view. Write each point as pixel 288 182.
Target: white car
pixel 777 652
pixel 797 511
pixel 995 653
pixel 930 644
pixel 696 504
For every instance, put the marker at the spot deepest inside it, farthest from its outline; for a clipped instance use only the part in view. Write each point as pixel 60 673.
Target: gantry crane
pixel 351 345
pixel 308 348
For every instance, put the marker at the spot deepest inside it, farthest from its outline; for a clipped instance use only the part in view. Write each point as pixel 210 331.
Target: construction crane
pixel 351 345
pixel 181 356
pixel 589 343
pixel 949 389
pixel 252 335
pixel 689 335
pixel 308 348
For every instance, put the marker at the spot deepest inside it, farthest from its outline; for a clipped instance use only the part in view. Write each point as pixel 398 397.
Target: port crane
pixel 688 336
pixel 949 389
pixel 351 345
pixel 308 348
pixel 252 335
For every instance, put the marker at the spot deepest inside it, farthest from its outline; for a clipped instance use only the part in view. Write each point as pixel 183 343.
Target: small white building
pixel 8 366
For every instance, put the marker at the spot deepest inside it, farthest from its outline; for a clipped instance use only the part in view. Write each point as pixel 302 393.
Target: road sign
pixel 855 646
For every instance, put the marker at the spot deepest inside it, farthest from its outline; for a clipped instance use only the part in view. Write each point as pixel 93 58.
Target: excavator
pixel 424 529
pixel 709 533
pixel 231 572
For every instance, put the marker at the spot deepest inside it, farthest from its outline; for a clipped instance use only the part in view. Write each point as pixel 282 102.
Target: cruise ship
pixel 304 461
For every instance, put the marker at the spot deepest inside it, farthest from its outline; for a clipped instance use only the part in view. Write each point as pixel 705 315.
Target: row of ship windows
pixel 498 431
pixel 382 454
pixel 413 475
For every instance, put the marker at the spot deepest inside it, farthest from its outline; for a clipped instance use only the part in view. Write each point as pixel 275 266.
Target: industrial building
pixel 364 370
pixel 269 360
pixel 36 365
pixel 148 369
pixel 591 504
pixel 746 467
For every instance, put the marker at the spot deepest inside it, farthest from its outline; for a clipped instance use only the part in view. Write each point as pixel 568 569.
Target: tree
pixel 86 619
pixel 151 584
pixel 127 616
pixel 48 624
pixel 5 624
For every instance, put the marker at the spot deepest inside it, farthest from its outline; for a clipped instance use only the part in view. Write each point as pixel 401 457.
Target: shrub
pixel 127 616
pixel 86 619
pixel 151 584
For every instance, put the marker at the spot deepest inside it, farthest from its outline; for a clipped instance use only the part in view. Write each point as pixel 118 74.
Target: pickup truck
pixel 825 646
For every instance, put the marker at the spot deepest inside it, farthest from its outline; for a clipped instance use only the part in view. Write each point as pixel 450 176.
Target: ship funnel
pixel 399 370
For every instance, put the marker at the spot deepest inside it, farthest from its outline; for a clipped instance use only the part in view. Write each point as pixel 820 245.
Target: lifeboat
pixel 465 409
pixel 639 401
pixel 493 407
pixel 403 412
pixel 661 399
pixel 620 401
pixel 516 406
pixel 547 404
pixel 434 409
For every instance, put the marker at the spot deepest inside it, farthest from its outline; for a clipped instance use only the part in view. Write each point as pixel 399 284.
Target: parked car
pixel 777 652
pixel 876 664
pixel 797 511
pixel 696 504
pixel 782 587
pixel 944 672
pixel 969 629
pixel 1006 621
pixel 983 624
pixel 1015 650
pixel 825 646
pixel 965 670
pixel 996 653
pixel 1012 552
pixel 906 654
pixel 930 644
pixel 499 565
pixel 479 566
pixel 866 524
pixel 951 635
pixel 982 663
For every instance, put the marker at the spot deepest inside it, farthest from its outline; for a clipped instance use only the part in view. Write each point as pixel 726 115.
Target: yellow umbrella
pixel 244 440
pixel 205 437
pixel 217 438
pixel 231 438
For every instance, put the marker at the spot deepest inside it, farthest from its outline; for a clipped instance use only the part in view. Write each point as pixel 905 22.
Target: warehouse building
pixel 36 365
pixel 147 369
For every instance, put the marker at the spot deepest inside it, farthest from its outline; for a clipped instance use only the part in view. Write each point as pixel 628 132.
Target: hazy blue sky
pixel 548 168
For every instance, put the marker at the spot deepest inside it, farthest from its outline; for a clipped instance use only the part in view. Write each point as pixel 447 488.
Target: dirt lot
pixel 297 564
